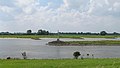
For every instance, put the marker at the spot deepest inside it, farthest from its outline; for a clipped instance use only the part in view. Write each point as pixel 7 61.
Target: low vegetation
pixel 103 42
pixel 76 54
pixel 36 38
pixel 61 63
pixel 61 36
pixel 57 42
pixel 28 36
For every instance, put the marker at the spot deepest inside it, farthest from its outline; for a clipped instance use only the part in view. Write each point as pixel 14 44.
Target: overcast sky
pixel 63 15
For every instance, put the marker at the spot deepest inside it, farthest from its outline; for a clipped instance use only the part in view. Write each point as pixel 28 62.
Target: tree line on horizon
pixel 45 32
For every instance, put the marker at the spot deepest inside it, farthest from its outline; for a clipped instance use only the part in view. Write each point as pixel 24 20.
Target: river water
pixel 37 49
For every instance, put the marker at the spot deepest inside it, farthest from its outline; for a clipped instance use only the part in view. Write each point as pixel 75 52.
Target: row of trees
pixel 45 32
pixel 40 32
pixel 28 32
pixel 89 33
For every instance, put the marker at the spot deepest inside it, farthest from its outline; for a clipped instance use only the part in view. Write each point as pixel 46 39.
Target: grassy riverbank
pixel 61 36
pixel 103 42
pixel 65 63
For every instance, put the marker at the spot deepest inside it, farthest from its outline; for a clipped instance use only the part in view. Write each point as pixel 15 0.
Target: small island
pixel 58 42
pixel 36 38
pixel 85 43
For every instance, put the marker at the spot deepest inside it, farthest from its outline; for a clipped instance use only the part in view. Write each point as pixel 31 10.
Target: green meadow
pixel 61 36
pixel 103 42
pixel 61 63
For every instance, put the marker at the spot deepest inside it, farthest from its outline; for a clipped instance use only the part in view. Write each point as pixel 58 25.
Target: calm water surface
pixel 39 50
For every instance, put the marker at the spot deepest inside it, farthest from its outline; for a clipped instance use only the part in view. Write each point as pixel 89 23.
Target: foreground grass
pixel 66 63
pixel 61 36
pixel 103 42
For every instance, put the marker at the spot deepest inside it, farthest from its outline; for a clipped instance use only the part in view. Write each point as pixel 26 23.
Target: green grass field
pixel 64 63
pixel 103 42
pixel 61 36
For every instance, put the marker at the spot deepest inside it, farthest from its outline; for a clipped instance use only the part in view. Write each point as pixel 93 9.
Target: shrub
pixel 76 54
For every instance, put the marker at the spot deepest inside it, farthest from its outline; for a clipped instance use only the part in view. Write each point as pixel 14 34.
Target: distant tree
pixel 39 32
pixel 103 33
pixel 76 54
pixel 5 33
pixel 115 33
pixel 8 57
pixel 29 31
pixel 47 32
pixel 42 32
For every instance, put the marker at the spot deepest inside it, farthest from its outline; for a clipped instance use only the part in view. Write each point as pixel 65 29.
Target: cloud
pixel 9 3
pixel 64 15
pixel 81 5
pixel 24 3
pixel 6 9
pixel 116 6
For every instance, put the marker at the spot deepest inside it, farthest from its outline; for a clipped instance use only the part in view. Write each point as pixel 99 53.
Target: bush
pixel 76 54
